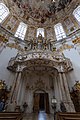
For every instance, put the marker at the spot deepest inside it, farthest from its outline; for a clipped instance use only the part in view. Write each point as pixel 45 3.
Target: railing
pixel 39 54
pixel 11 116
pixel 68 116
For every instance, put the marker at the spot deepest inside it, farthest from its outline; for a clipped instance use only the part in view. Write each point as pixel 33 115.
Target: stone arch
pixel 41 100
pixel 38 90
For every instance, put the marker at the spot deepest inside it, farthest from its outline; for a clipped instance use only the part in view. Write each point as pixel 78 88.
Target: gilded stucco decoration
pixel 76 41
pixel 3 39
pixel 11 23
pixel 15 45
pixel 65 47
pixel 77 86
pixel 68 23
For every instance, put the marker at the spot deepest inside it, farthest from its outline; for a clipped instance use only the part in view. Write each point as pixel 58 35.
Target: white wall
pixel 5 56
pixel 75 59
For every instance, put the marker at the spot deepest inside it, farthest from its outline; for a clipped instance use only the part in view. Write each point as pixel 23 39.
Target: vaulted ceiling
pixel 41 10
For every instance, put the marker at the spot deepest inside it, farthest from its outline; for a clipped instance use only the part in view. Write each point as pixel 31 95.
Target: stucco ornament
pixel 34 59
pixel 40 10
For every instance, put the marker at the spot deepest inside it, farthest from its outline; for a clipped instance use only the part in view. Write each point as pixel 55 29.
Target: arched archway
pixel 41 101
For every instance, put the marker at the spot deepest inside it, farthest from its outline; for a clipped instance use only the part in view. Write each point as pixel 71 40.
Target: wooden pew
pixel 11 116
pixel 68 116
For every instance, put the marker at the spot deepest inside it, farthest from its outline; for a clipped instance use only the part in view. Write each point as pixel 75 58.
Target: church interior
pixel 39 59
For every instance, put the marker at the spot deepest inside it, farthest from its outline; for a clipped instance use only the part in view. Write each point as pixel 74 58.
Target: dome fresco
pixel 41 10
pixel 43 14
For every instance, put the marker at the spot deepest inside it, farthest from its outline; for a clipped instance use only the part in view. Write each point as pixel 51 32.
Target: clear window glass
pixel 59 31
pixel 41 31
pixel 21 30
pixel 4 11
pixel 76 13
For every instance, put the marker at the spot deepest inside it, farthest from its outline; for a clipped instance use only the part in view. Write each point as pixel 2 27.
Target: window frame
pixel 21 31
pixel 59 31
pixel 76 14
pixel 5 11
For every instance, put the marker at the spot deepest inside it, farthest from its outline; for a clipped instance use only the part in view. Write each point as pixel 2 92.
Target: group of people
pixel 11 107
pixel 3 94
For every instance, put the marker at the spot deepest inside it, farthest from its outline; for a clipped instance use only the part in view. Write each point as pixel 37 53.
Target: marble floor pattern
pixel 39 116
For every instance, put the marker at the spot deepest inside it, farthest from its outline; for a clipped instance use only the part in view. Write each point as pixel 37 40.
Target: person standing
pixel 2 105
pixel 25 107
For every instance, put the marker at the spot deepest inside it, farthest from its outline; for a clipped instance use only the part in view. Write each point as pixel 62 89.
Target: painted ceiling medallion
pixel 41 9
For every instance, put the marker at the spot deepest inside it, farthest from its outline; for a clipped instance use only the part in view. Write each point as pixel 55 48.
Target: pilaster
pixel 69 104
pixel 65 93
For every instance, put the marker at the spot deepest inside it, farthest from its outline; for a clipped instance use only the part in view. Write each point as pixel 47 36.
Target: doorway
pixel 41 102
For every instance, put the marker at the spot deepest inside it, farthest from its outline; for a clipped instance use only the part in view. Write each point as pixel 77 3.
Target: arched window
pixel 59 31
pixel 76 13
pixel 21 30
pixel 4 11
pixel 40 30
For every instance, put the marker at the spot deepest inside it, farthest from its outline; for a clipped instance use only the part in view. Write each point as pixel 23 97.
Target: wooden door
pixel 47 103
pixel 36 106
pixel 36 102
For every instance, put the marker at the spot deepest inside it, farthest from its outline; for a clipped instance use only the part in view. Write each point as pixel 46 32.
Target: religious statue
pixel 40 41
pixel 40 36
pixel 75 95
pixel 77 85
pixel 1 85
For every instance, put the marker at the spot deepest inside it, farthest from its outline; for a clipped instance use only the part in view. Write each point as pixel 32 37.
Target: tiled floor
pixel 41 116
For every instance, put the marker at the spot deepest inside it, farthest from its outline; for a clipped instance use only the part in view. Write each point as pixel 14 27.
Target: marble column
pixel 13 87
pixel 70 105
pixel 12 100
pixel 57 93
pixel 21 98
pixel 65 93
pixel 18 87
pixel 21 91
pixel 61 86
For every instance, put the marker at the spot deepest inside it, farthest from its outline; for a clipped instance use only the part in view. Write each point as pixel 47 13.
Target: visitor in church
pixel 2 105
pixel 62 107
pixel 25 105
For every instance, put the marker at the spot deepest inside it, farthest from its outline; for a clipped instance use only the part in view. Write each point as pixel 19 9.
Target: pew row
pixel 68 116
pixel 11 116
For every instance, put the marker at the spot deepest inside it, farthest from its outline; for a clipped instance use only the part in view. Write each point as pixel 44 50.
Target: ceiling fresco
pixel 41 10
